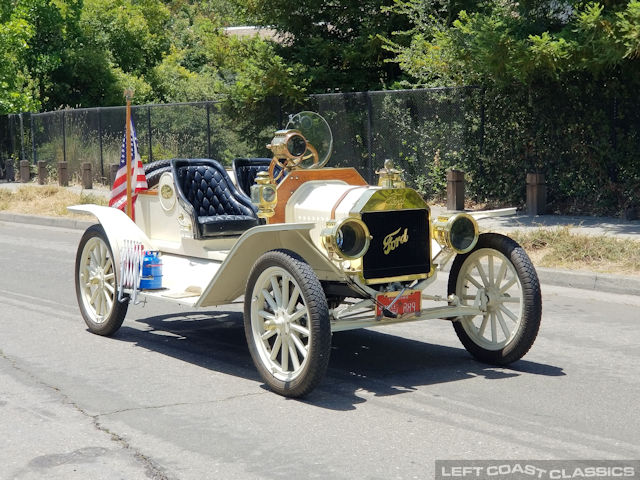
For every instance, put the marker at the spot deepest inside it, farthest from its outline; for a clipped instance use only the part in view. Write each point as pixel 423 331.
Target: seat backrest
pixel 246 170
pixel 207 187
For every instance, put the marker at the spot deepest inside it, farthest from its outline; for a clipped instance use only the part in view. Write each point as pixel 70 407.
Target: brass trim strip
pixel 400 278
pixel 339 201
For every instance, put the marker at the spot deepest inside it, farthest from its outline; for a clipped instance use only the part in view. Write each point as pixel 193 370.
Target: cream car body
pixel 334 254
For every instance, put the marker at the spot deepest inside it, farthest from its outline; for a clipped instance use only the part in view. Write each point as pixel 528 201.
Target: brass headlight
pixel 349 239
pixel 288 145
pixel 458 232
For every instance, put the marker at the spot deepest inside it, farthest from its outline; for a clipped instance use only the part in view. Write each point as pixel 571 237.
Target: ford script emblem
pixel 394 240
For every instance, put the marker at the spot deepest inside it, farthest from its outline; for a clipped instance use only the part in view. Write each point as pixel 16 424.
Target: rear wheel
pixel 287 323
pixel 498 274
pixel 97 284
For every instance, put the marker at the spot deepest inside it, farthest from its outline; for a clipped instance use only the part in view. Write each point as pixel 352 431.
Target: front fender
pixel 118 227
pixel 230 280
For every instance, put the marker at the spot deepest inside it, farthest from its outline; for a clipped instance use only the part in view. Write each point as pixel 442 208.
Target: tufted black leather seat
pixel 246 170
pixel 216 207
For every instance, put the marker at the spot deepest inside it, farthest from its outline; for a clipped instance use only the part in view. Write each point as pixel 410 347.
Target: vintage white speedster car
pixel 313 250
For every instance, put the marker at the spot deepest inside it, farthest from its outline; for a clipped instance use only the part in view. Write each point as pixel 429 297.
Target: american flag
pixel 138 178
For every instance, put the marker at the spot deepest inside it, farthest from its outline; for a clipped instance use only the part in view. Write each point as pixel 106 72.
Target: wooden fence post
pixel 536 194
pixel 113 171
pixel 42 172
pixel 87 178
pixel 455 190
pixel 63 174
pixel 25 174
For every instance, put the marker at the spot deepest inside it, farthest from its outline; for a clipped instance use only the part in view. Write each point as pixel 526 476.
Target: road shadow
pixel 368 360
pixel 386 365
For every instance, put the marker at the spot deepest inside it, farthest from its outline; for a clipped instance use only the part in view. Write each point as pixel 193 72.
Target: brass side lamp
pixel 264 195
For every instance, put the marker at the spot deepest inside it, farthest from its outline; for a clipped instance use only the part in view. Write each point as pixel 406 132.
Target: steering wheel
pixel 275 162
pixel 291 151
pixel 311 152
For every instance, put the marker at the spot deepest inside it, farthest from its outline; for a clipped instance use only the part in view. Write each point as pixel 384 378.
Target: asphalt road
pixel 174 393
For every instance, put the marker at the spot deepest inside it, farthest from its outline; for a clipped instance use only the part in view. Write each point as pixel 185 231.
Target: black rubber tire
pixel 320 339
pixel 532 299
pixel 154 177
pixel 150 167
pixel 119 309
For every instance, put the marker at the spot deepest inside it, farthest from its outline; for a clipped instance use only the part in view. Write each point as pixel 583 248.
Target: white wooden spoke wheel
pixel 287 323
pixel 96 283
pixel 498 277
pixel 489 275
pixel 280 323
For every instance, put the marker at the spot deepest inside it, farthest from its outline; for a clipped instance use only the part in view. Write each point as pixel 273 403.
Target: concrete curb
pixel 601 282
pixel 585 280
pixel 60 222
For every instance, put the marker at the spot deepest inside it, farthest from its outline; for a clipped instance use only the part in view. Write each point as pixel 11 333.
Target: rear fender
pixel 118 227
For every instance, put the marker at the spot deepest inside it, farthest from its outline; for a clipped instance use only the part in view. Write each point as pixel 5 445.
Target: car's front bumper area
pixel 362 314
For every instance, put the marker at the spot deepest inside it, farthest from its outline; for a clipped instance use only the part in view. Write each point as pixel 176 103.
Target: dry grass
pixel 48 200
pixel 561 248
pixel 547 247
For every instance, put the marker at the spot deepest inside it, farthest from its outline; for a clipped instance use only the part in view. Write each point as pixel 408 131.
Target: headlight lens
pixel 463 234
pixel 297 145
pixel 458 232
pixel 339 239
pixel 349 239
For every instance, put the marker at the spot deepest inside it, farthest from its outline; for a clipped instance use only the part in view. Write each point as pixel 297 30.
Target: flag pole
pixel 128 93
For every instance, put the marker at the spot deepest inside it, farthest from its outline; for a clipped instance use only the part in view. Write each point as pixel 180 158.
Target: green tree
pixel 560 81
pixel 51 62
pixel 34 35
pixel 15 94
pixel 523 42
pixel 134 32
pixel 337 44
pixel 83 53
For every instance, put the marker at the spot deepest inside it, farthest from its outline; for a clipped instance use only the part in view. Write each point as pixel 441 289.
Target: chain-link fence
pixel 367 127
pixel 423 131
pixel 15 134
pixel 95 135
pixel 586 142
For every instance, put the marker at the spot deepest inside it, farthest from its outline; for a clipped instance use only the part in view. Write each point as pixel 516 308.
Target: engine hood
pixel 322 201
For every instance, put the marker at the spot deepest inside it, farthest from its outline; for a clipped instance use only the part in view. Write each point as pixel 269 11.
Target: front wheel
pixel 497 275
pixel 96 283
pixel 286 320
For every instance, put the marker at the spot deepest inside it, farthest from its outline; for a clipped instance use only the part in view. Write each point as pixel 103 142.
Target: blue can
pixel 151 271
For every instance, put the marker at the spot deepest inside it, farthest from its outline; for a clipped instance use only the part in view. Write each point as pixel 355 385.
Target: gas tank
pixel 151 271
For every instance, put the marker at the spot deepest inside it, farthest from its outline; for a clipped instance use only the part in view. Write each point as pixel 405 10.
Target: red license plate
pixel 407 303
